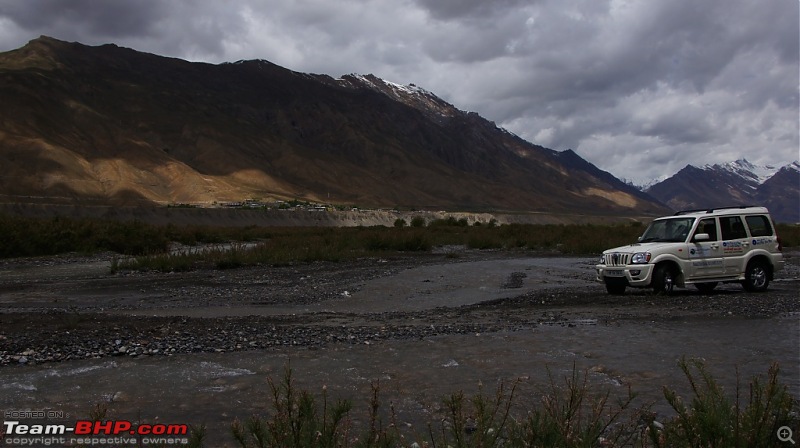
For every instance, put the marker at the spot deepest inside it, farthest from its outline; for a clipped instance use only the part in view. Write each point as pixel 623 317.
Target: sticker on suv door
pixel 732 246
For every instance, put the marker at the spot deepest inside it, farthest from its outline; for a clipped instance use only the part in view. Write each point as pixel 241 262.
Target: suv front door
pixel 705 256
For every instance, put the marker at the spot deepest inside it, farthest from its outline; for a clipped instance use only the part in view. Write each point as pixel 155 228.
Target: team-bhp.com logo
pixel 87 432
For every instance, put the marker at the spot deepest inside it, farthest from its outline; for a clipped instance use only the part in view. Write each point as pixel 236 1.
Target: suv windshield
pixel 672 230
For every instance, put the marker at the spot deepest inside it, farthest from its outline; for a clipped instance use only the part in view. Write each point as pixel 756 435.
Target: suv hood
pixel 639 247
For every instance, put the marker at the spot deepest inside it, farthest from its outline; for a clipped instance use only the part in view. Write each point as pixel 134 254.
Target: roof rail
pixel 696 210
pixel 712 210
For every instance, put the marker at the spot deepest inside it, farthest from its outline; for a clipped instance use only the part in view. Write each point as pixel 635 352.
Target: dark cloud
pixel 476 9
pixel 635 86
pixel 85 17
pixel 181 28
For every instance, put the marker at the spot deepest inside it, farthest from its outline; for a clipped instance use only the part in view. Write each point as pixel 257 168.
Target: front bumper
pixel 637 275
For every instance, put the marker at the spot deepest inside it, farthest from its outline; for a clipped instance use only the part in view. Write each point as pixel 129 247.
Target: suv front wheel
pixel 756 276
pixel 664 279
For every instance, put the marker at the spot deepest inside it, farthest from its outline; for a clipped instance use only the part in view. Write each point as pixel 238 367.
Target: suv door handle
pixel 715 246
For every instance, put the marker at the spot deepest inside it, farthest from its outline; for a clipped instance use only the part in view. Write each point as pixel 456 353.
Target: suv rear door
pixel 735 243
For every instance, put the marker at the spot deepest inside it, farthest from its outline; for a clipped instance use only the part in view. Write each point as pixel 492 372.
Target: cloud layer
pixel 638 87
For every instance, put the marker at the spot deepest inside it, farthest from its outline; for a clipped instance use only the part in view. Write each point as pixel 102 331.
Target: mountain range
pixel 109 125
pixel 105 125
pixel 734 183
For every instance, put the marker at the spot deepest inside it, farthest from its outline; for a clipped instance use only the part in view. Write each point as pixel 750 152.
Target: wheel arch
pixel 766 261
pixel 680 279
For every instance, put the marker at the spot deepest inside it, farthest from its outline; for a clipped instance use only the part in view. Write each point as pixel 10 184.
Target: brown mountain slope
pixel 112 125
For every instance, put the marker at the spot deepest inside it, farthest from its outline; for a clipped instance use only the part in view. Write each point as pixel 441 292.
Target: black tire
pixel 706 288
pixel 616 288
pixel 756 276
pixel 664 279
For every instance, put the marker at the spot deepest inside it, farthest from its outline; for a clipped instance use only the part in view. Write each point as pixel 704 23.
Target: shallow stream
pixel 214 389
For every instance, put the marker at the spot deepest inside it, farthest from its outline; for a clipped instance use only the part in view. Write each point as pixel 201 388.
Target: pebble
pixel 220 337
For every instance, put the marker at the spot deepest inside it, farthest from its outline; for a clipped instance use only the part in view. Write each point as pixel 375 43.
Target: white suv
pixel 697 247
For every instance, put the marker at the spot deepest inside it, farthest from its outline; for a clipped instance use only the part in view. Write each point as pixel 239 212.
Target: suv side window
pixel 709 226
pixel 759 225
pixel 732 228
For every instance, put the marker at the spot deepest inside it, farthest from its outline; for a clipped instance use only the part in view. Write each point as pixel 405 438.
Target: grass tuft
pixel 573 414
pixel 713 418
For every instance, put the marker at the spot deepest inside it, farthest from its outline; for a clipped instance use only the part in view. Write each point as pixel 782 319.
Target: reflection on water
pixel 414 375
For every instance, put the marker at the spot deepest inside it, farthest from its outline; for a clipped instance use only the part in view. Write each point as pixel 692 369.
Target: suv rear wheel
pixel 756 276
pixel 664 279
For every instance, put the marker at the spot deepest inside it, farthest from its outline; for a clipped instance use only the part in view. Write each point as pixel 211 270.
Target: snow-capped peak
pixel 410 94
pixel 382 84
pixel 643 186
pixel 743 168
pixel 753 175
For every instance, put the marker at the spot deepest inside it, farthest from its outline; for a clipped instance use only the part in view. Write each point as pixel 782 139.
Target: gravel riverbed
pixel 66 308
pixel 196 347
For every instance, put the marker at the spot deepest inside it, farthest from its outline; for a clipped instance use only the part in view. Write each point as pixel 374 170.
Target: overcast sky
pixel 640 88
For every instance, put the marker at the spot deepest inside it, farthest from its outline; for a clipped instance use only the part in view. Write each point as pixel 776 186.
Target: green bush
pixel 418 221
pixel 297 420
pixel 24 237
pixel 21 237
pixel 450 221
pixel 572 414
pixel 789 234
pixel 576 416
pixel 713 418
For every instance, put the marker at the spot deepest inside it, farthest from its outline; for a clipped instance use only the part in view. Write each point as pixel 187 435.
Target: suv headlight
pixel 640 258
pixel 603 259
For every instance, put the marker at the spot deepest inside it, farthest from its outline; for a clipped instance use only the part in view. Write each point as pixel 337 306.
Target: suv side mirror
pixel 701 237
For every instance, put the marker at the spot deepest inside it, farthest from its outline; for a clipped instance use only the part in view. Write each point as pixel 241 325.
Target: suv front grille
pixel 617 259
